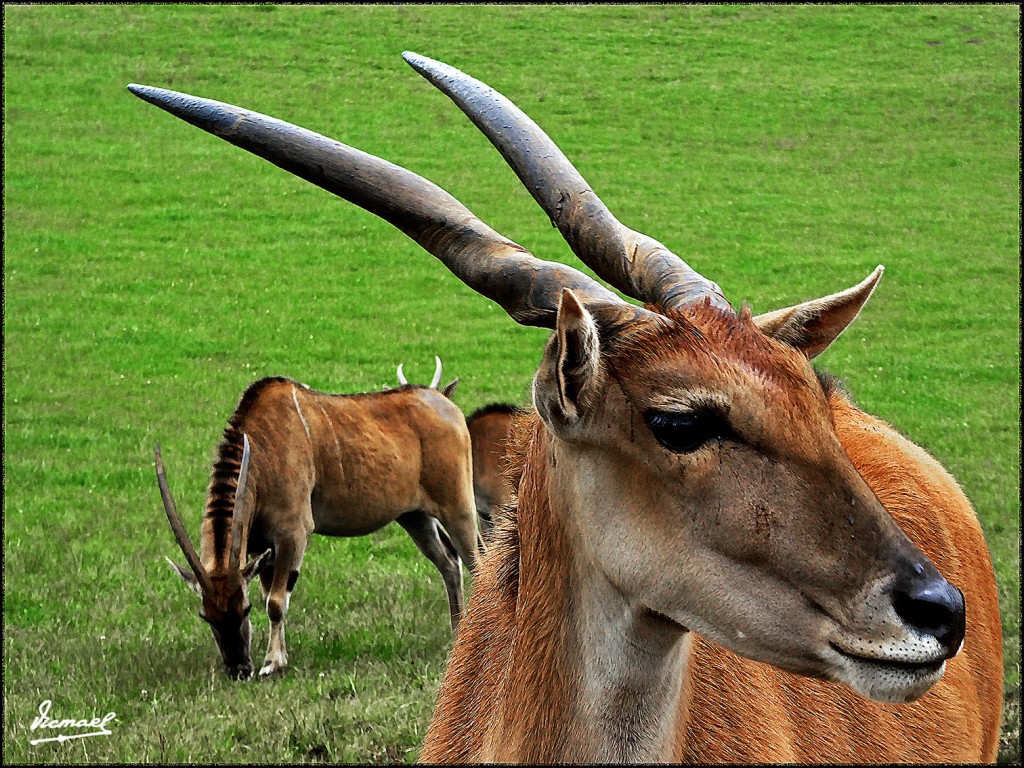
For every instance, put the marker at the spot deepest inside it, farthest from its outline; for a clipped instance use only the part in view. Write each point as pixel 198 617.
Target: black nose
pixel 933 606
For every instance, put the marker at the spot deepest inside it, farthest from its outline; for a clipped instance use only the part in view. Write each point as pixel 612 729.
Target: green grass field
pixel 151 272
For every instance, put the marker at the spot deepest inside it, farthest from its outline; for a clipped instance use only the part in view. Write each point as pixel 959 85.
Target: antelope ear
pixel 570 373
pixel 255 565
pixel 447 391
pixel 187 576
pixel 812 326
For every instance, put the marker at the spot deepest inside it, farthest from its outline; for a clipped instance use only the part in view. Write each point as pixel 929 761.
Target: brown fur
pixel 489 429
pixel 506 694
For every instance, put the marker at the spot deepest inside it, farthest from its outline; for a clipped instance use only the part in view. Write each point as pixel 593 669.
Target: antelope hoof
pixel 271 666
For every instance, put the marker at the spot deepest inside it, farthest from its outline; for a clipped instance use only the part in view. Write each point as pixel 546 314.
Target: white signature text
pixel 43 721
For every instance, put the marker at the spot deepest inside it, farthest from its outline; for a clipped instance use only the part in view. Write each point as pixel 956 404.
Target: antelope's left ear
pixel 255 566
pixel 570 374
pixel 813 325
pixel 450 389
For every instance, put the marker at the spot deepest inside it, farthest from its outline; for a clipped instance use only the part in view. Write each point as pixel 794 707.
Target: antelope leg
pixel 277 590
pixel 438 549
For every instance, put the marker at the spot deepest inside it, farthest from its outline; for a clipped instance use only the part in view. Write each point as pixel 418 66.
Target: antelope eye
pixel 685 432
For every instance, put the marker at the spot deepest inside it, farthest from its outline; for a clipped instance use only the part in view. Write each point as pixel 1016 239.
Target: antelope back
pixel 349 464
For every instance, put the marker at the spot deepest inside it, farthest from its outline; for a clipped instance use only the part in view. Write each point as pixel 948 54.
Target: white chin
pixel 889 682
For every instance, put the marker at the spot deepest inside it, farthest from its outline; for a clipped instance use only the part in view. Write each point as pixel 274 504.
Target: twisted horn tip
pixel 151 93
pixel 428 67
pixel 413 59
pixel 215 117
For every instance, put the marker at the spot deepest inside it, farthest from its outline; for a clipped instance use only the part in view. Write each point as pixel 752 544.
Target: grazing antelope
pixel 694 503
pixel 489 430
pixel 337 465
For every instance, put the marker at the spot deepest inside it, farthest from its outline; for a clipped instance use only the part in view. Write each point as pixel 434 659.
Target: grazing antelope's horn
pixel 437 373
pixel 242 511
pixel 401 376
pixel 179 530
pixel 492 265
pixel 636 264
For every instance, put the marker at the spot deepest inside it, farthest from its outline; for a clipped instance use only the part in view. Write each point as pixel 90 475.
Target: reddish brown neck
pixel 600 678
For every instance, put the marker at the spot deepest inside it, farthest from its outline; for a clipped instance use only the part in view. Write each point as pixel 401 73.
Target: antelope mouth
pixel 911 667
pixel 886 679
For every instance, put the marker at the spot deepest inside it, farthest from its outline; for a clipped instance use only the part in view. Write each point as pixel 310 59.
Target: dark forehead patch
pixel 228 592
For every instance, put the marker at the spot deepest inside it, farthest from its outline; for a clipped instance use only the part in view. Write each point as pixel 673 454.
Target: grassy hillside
pixel 151 272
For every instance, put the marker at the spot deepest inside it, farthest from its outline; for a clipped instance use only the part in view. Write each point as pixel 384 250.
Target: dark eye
pixel 203 617
pixel 686 432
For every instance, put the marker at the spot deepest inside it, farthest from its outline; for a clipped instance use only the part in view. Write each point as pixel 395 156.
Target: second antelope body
pixel 337 465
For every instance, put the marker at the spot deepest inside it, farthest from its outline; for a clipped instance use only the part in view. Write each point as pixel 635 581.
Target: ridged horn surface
pixel 242 511
pixel 492 265
pixel 636 264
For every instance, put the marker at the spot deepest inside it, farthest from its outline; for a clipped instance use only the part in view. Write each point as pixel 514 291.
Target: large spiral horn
pixel 636 264
pixel 179 529
pixel 492 265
